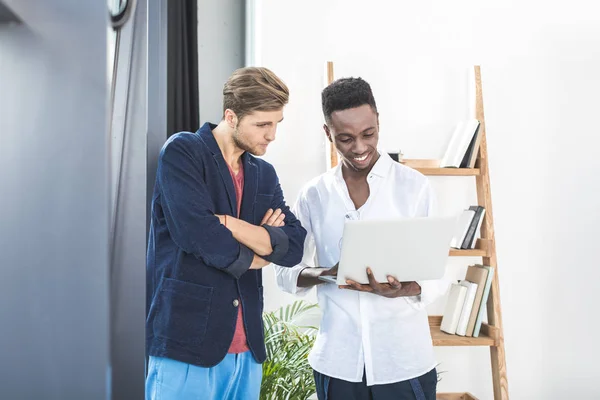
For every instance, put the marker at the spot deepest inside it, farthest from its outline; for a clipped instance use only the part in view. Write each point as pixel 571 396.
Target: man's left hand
pixel 392 289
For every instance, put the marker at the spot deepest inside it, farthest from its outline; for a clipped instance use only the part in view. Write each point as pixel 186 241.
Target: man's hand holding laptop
pixel 392 289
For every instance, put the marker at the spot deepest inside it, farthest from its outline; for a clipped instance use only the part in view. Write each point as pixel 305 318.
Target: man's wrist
pixel 417 289
pixel 410 289
pixel 309 276
pixel 231 223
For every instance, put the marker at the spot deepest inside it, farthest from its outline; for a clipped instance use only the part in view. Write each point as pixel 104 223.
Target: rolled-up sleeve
pixel 241 264
pixel 280 243
pixel 287 279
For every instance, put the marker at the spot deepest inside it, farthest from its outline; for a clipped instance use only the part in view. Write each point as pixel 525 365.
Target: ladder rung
pixel 487 336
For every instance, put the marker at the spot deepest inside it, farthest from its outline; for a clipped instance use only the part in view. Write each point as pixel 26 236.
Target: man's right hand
pixel 310 276
pixel 331 271
pixel 258 262
pixel 273 218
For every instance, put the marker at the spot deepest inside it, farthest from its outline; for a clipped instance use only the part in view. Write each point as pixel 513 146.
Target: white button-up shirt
pixel 387 339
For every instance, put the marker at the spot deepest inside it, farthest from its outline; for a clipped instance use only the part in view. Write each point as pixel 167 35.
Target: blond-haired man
pixel 218 217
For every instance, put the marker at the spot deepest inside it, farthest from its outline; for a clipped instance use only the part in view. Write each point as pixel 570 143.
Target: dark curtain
pixel 182 67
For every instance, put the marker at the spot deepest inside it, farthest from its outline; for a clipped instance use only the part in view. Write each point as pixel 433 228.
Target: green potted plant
pixel 286 372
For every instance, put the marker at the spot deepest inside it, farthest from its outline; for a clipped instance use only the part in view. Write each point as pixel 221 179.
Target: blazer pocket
pixel 182 312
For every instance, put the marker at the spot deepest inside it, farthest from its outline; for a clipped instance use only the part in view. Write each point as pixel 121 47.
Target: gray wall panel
pixel 54 203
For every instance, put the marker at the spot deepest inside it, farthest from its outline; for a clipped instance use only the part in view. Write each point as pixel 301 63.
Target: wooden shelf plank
pixel 432 167
pixel 486 337
pixel 443 339
pixel 481 250
pixel 449 171
pixel 468 253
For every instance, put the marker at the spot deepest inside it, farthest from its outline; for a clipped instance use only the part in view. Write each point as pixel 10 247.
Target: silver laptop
pixel 409 249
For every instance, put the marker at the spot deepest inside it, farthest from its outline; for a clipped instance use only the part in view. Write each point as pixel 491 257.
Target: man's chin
pixel 358 166
pixel 258 151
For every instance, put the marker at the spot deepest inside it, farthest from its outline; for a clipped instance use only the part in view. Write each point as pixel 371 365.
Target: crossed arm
pixel 256 238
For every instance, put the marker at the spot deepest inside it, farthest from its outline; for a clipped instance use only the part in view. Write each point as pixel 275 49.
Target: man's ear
pixel 231 118
pixel 327 132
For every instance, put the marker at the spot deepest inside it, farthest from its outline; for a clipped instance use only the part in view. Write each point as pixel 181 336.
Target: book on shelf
pixel 468 224
pixel 478 276
pixel 462 228
pixel 484 298
pixel 454 305
pixel 467 301
pixel 464 145
pixel 474 227
pixel 470 157
pixel 465 314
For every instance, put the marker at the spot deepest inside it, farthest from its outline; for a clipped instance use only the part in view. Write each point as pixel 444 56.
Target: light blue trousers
pixel 237 377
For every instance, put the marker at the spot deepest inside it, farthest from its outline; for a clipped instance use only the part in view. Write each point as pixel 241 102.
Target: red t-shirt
pixel 239 344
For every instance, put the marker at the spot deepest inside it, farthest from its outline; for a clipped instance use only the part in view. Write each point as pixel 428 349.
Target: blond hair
pixel 254 89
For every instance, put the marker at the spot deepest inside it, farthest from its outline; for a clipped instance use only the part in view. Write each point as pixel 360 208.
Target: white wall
pixel 221 31
pixel 540 63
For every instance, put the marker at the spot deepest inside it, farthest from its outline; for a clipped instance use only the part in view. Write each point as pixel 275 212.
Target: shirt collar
pixel 381 168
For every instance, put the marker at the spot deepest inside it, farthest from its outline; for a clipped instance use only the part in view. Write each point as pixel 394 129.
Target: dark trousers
pixel 421 388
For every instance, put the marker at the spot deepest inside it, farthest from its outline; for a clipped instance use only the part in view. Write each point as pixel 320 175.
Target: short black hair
pixel 346 93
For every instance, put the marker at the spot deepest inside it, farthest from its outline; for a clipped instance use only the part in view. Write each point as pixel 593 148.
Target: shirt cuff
pixel 279 242
pixel 287 279
pixel 427 296
pixel 242 263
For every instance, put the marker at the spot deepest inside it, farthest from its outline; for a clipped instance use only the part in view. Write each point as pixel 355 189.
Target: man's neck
pixel 223 134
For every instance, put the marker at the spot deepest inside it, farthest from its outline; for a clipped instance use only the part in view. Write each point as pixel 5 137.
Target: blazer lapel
pixel 205 133
pixel 250 188
pixel 227 180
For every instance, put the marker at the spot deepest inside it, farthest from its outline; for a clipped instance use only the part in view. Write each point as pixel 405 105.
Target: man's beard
pixel 239 141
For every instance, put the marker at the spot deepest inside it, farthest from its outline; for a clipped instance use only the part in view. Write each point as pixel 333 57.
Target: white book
pixel 470 127
pixel 465 314
pixel 452 146
pixel 453 309
pixel 462 227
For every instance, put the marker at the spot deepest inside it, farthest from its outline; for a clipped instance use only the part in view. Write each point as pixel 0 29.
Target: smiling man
pixel 218 217
pixel 374 340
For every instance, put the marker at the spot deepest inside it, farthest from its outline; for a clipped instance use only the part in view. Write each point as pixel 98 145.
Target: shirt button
pixel 236 303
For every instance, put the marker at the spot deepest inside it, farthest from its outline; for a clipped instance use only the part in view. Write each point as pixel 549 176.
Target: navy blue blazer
pixel 196 270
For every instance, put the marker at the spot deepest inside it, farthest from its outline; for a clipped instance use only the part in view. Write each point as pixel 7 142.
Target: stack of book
pixel 467 301
pixel 469 223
